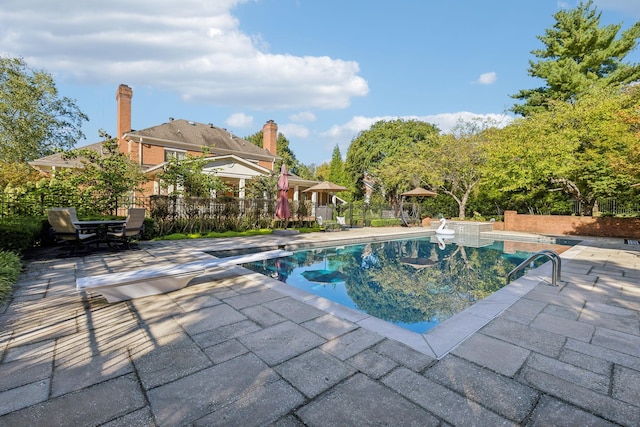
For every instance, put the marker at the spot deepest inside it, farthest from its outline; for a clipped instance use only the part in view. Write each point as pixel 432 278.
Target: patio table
pixel 99 226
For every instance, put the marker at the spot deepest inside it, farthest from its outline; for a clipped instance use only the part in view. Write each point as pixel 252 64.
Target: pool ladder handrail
pixel 552 255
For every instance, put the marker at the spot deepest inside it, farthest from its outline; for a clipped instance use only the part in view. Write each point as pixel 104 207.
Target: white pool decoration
pixel 443 228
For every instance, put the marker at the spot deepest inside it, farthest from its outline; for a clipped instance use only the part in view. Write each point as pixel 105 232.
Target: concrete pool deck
pixel 236 348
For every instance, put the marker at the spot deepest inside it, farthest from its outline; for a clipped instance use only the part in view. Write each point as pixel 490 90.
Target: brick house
pixel 233 159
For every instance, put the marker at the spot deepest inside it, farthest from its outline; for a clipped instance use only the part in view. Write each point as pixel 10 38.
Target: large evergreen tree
pixel 579 55
pixel 336 167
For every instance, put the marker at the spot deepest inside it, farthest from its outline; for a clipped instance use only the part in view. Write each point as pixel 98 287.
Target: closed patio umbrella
pixel 282 210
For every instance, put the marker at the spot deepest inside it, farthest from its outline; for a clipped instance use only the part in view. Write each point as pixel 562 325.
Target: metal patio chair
pixel 64 230
pixel 133 228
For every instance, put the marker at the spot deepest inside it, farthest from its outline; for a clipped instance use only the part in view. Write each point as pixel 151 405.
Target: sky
pixel 323 70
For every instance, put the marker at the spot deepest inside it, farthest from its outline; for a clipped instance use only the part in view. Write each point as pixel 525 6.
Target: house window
pixel 174 154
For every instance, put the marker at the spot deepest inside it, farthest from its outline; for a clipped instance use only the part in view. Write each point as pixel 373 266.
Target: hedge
pixel 18 234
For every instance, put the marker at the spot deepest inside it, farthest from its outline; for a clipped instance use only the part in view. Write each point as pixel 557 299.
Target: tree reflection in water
pixel 405 281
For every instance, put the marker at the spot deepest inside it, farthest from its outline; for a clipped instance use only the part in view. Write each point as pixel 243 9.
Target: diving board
pixel 152 281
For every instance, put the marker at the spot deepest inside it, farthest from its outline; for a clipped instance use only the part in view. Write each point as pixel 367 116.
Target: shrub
pixel 18 234
pixel 385 222
pixel 10 266
pixel 150 229
pixel 214 234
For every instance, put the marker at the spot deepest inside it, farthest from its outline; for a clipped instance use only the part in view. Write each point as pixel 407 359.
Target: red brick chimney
pixel 270 137
pixel 123 98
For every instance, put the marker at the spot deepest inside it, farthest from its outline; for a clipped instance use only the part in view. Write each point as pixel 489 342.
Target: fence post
pixel 351 214
pixel 364 214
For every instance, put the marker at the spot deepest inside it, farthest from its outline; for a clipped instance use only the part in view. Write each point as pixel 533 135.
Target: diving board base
pixel 128 285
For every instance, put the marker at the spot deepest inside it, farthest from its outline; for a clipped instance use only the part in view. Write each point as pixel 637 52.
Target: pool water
pixel 413 283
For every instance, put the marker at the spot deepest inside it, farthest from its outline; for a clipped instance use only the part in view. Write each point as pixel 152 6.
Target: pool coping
pixel 446 336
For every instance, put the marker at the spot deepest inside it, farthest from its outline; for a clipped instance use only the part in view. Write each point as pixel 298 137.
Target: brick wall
pixel 152 154
pixel 571 225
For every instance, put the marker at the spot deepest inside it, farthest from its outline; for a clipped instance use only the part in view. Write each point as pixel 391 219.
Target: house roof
pixel 191 135
pixel 57 160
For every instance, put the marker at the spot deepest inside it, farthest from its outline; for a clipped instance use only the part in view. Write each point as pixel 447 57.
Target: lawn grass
pixel 215 235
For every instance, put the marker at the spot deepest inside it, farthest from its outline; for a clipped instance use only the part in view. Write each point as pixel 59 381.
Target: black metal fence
pixel 615 207
pixel 173 214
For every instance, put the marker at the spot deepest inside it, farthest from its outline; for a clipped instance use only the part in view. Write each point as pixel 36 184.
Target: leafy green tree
pixel 185 177
pixel 263 186
pixel 401 171
pixel 449 164
pixel 579 54
pixel 106 175
pixel 16 174
pixel 455 165
pixel 34 120
pixel 586 150
pixel 383 140
pixel 283 150
pixel 306 171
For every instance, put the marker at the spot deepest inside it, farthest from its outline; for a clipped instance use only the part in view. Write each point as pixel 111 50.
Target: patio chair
pixel 342 222
pixel 73 213
pixel 75 220
pixel 61 221
pixel 131 229
pixel 327 225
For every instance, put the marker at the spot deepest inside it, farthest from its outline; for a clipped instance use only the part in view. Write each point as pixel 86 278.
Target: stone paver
pixel 237 348
pixel 441 401
pixel 363 401
pixel 484 351
pixel 280 342
pixel 552 412
pixel 314 372
pixel 503 395
pixel 176 403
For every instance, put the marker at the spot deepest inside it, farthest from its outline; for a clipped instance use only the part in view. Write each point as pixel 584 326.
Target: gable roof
pixel 215 163
pixel 47 163
pixel 193 136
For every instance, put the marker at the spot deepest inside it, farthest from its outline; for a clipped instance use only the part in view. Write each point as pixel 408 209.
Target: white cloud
pixel 631 8
pixel 447 121
pixel 192 47
pixel 304 116
pixel 240 120
pixel 345 133
pixel 293 130
pixel 487 78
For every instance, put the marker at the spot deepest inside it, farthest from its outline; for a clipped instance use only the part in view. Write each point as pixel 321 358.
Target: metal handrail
pixel 552 255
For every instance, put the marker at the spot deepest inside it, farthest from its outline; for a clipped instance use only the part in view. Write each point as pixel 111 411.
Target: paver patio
pixel 235 348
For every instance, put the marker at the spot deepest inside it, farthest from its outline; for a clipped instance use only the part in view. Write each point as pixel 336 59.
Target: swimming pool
pixel 413 283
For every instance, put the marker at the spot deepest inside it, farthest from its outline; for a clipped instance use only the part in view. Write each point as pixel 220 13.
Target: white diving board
pixel 152 281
